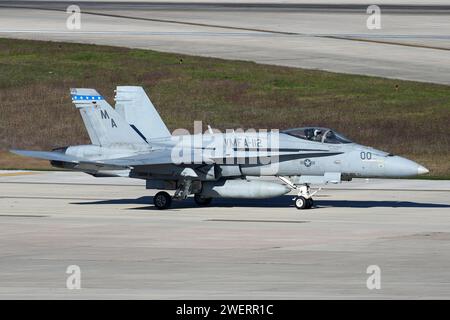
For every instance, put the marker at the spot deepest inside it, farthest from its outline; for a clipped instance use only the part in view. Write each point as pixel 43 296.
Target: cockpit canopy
pixel 317 134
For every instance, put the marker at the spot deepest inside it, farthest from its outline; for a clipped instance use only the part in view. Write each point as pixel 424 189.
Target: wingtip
pixel 15 151
pixel 19 152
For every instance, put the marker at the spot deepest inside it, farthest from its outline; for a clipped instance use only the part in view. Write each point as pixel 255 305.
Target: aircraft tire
pixel 309 203
pixel 162 200
pixel 300 203
pixel 200 201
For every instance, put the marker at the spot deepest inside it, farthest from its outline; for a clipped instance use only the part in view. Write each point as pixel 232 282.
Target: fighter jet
pixel 131 140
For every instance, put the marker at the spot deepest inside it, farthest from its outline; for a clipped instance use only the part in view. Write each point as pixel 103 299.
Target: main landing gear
pixel 200 201
pixel 162 200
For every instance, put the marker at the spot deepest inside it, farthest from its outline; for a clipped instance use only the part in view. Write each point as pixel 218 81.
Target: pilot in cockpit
pixel 317 135
pixel 313 134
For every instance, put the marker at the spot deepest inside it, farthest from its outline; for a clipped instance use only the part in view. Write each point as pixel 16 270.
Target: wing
pixel 46 155
pixel 156 157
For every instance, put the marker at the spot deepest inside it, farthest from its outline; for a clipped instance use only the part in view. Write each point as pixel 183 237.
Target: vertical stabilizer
pixel 133 104
pixel 104 125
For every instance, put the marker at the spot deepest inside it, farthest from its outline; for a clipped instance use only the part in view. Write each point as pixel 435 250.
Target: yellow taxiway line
pixel 12 174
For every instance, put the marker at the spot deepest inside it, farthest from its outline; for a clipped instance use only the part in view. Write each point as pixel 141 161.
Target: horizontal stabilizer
pixel 58 156
pixel 46 155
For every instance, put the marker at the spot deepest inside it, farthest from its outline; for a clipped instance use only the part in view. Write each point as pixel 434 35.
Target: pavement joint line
pixel 230 27
pixel 248 220
pixel 221 5
pixel 23 215
pixel 158 20
pixel 387 42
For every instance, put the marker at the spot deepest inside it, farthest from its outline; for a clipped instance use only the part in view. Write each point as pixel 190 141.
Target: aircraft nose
pixel 402 167
pixel 422 170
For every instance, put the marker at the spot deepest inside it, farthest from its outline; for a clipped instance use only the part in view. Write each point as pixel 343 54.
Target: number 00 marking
pixel 366 155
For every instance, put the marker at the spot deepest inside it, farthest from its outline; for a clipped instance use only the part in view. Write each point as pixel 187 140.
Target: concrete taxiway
pixel 412 44
pixel 233 249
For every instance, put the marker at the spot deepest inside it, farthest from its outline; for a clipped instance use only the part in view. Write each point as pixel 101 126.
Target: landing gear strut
pixel 183 190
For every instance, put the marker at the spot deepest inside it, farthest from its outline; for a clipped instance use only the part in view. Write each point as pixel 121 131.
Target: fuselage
pixel 260 154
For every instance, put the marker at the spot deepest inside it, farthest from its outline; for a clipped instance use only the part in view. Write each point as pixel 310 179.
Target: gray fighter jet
pixel 131 140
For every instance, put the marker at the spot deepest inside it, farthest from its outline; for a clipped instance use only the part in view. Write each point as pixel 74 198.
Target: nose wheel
pixel 303 203
pixel 304 199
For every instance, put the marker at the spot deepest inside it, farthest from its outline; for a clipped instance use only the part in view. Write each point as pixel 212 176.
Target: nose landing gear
pixel 304 198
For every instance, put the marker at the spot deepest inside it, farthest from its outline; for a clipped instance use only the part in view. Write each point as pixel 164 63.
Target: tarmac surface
pixel 413 42
pixel 249 249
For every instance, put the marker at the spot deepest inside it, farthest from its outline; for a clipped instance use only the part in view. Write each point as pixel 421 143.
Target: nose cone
pixel 402 167
pixel 422 170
